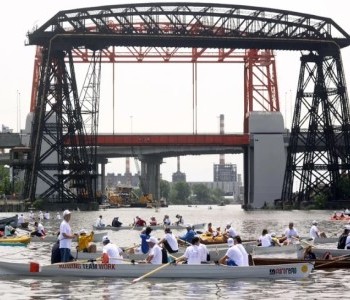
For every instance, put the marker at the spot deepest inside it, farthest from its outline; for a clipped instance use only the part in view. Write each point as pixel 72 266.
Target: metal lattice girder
pixel 319 149
pixel 188 25
pixel 61 116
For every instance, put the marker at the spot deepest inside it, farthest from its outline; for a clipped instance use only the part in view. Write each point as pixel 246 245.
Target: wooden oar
pixel 339 258
pixel 153 271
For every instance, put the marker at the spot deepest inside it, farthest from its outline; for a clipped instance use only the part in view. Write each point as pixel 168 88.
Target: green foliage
pixel 344 187
pixel 5 183
pixel 180 193
pixel 164 189
pixel 320 200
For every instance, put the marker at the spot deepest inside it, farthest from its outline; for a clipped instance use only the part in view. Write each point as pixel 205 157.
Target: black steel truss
pixel 318 154
pixel 188 25
pixel 63 162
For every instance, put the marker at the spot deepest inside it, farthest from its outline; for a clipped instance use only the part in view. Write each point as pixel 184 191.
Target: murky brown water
pixel 328 284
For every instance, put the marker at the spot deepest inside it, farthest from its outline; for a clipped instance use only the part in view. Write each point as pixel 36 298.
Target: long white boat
pixel 320 252
pixel 53 238
pixel 154 227
pixel 136 271
pixel 320 240
pixel 257 250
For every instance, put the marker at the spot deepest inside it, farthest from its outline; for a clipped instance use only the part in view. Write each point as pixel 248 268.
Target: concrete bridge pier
pixel 150 174
pixel 265 159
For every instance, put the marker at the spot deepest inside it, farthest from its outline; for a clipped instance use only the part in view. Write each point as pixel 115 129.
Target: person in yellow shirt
pixel 85 242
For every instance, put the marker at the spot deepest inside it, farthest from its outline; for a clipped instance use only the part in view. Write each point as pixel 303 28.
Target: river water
pixel 321 284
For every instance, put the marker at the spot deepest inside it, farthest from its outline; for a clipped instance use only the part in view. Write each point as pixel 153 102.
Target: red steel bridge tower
pixel 162 31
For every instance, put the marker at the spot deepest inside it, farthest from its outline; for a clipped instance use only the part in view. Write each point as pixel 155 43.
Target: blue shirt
pixel 188 236
pixel 144 244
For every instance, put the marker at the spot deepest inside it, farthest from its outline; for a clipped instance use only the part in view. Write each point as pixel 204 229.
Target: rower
pixel 230 232
pixel 100 223
pixel 39 230
pixel 189 235
pixel 265 240
pixel 193 254
pixel 155 255
pixel 315 232
pixel 85 242
pixel 290 234
pixel 169 241
pixel 233 256
pixel 111 253
pixel 180 220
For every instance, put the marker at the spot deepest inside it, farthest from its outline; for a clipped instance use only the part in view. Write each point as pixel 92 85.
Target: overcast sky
pixel 141 87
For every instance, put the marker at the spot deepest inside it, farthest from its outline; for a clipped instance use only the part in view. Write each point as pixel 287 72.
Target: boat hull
pixel 24 239
pixel 319 263
pixel 12 220
pixel 320 252
pixel 204 271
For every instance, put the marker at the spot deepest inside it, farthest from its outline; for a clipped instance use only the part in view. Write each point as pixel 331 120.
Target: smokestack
pixel 127 165
pixel 222 131
pixel 178 164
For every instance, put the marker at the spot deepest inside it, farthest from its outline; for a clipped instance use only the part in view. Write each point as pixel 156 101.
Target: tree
pixel 180 192
pixel 164 189
pixel 202 193
pixel 5 183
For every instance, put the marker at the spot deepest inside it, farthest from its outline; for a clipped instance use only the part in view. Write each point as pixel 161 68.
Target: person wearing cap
pixel 230 232
pixel 233 256
pixel 85 242
pixel 58 216
pixel 290 235
pixel 66 236
pixel 100 223
pixel 155 255
pixel 315 232
pixel 275 239
pixel 145 235
pixel 111 253
pixel 193 254
pixel 31 215
pixel 265 240
pixel 189 235
pixel 21 220
pixel 169 241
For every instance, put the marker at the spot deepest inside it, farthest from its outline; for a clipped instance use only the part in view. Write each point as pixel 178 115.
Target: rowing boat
pixel 53 238
pixel 257 250
pixel 203 271
pixel 154 227
pixel 13 221
pixel 321 240
pixel 24 239
pixel 319 263
pixel 320 252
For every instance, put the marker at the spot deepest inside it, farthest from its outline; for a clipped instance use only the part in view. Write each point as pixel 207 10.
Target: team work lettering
pixel 88 266
pixel 282 271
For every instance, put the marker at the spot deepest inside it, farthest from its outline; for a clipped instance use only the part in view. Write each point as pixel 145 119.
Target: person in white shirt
pixel 155 253
pixel 265 240
pixel 193 254
pixel 233 256
pixel 111 253
pixel 39 230
pixel 31 215
pixel 290 235
pixel 230 232
pixel 205 256
pixel 41 216
pixel 47 215
pixel 166 220
pixel 169 241
pixel 65 237
pixel 100 223
pixel 315 232
pixel 58 216
pixel 238 243
pixel 21 220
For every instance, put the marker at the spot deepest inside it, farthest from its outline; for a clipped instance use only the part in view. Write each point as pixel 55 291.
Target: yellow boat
pixel 24 239
pixel 208 238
